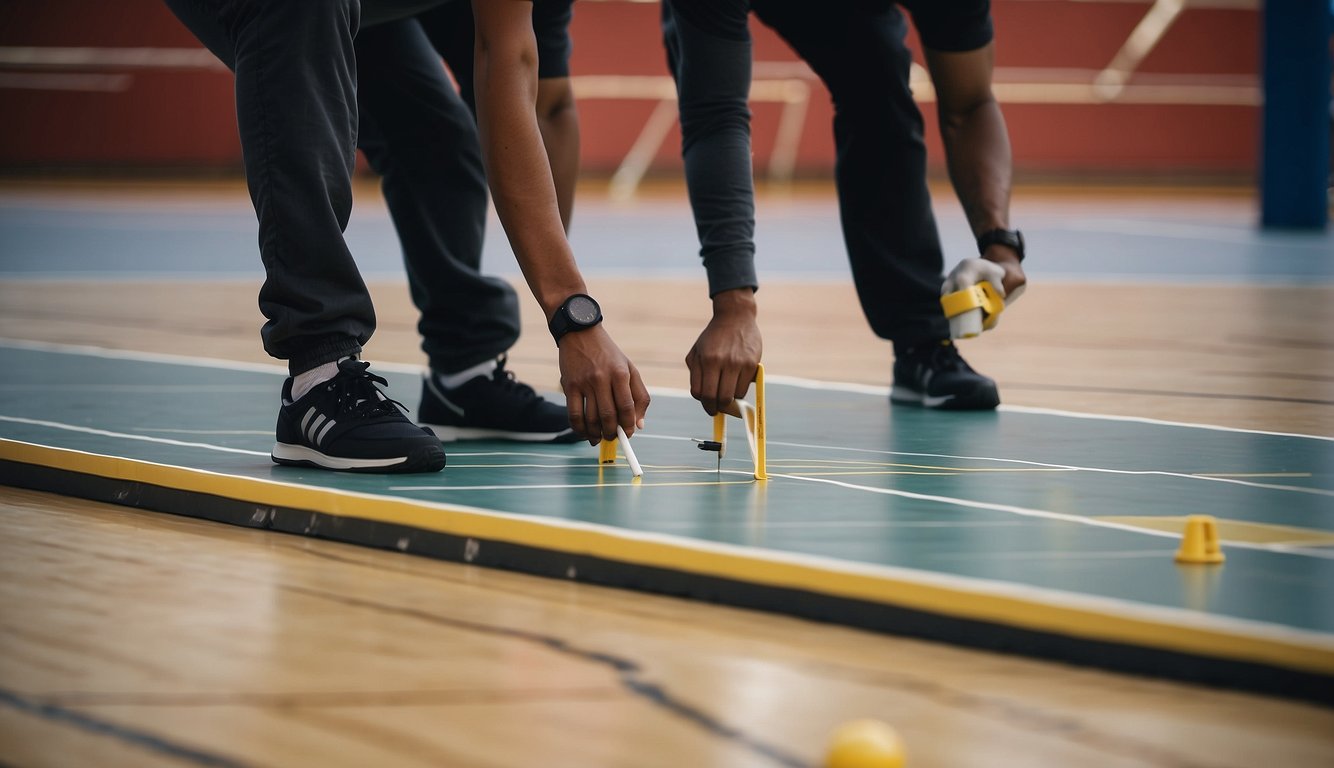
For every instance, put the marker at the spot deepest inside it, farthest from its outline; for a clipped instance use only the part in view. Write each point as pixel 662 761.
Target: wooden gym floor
pixel 132 637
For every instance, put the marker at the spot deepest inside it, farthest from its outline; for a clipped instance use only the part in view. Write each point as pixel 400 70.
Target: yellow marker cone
pixel 607 452
pixel 1199 545
pixel 864 744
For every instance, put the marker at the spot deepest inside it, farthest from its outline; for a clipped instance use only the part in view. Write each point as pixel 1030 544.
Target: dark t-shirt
pixel 448 24
pixel 944 25
pixel 551 24
pixel 451 21
pixel 961 25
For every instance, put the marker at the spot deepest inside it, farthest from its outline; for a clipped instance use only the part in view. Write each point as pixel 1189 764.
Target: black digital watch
pixel 1012 238
pixel 577 313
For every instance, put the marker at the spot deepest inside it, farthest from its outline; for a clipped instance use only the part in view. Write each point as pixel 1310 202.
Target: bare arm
pixel 977 146
pixel 602 387
pixel 558 120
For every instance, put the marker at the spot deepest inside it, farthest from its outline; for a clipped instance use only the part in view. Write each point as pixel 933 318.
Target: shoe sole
pixel 448 434
pixel 426 458
pixel 982 399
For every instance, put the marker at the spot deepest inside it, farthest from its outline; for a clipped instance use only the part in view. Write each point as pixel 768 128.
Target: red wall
pixel 184 117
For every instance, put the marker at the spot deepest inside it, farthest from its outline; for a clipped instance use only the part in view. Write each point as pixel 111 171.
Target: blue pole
pixel 1295 149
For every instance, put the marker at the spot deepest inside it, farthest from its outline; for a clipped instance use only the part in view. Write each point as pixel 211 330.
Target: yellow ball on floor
pixel 864 744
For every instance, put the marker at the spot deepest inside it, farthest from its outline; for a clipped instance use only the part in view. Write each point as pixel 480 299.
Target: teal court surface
pixel 1035 532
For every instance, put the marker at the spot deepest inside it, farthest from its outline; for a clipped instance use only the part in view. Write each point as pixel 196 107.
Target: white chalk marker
pixel 635 469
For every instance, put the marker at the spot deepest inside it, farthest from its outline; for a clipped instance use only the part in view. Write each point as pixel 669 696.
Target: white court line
pixel 1044 514
pixel 504 453
pixel 780 379
pixel 1063 467
pixel 202 388
pixel 792 381
pixel 1157 422
pixel 186 360
pixel 1044 466
pixel 880 391
pixel 567 465
pixel 949 500
pixel 127 436
pixel 143 357
pixel 1183 618
pixel 1055 556
pixel 247 432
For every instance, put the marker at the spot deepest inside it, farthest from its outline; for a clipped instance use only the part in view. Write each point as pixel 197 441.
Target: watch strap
pixel 1011 238
pixel 562 322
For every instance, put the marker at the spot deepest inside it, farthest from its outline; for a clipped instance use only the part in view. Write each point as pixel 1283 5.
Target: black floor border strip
pixel 886 619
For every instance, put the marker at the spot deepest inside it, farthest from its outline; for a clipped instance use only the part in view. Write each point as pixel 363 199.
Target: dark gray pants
pixel 422 139
pixel 297 100
pixel 858 50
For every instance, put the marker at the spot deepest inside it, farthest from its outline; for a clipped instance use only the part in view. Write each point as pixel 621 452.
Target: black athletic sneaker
pixel 495 407
pixel 933 375
pixel 347 423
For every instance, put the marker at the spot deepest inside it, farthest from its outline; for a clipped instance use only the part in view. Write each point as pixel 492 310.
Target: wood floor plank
pixel 190 633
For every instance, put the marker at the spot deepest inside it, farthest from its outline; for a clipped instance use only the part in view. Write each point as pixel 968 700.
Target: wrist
pixel 1001 245
pixel 551 300
pixel 1002 255
pixel 735 301
pixel 578 312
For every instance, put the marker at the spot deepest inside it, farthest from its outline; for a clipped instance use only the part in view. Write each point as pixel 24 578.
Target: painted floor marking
pixel 127 436
pixel 562 486
pixel 953 501
pixel 882 391
pixel 1285 546
pixel 407 368
pixel 1236 530
pixel 1050 467
pixel 1040 513
pixel 1208 477
pixel 246 432
pixel 1124 609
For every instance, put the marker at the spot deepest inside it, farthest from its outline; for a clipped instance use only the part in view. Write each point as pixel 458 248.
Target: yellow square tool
pixel 972 310
pixel 752 416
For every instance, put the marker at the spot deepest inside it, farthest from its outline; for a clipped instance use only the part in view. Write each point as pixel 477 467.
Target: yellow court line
pixel 1251 474
pixel 868 473
pixel 635 483
pixel 572 465
pixel 1025 607
pixel 835 464
pixel 907 470
pixel 1233 530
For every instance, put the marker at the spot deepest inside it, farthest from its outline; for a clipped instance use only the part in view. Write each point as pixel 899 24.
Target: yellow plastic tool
pixel 972 310
pixel 752 416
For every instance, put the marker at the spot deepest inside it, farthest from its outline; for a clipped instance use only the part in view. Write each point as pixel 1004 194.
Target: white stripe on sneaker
pixel 319 439
pixel 314 427
pixel 436 390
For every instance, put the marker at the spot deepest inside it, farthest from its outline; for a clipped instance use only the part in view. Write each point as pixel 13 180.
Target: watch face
pixel 582 310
